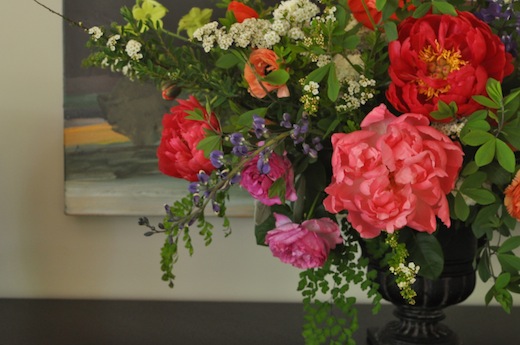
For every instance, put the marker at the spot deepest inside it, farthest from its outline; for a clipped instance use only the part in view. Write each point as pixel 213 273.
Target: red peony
pixel 178 154
pixel 394 172
pixel 241 11
pixel 444 58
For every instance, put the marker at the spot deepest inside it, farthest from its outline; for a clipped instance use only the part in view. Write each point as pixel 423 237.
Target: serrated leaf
pixel 505 156
pixel 509 245
pixel 351 42
pixel 277 189
pixel 196 115
pixel 485 153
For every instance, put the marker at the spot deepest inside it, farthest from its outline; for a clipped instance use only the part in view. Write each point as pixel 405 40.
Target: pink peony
pixel 394 172
pixel 258 184
pixel 305 245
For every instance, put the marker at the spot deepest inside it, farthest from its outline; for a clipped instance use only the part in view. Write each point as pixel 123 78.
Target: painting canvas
pixel 112 127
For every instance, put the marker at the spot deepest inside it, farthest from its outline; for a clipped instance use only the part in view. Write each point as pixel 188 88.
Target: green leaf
pixel 422 10
pixel 494 90
pixel 277 189
pixel 246 119
pixel 480 195
pixel 278 77
pixel 227 61
pixel 485 153
pixel 390 31
pixel 318 74
pixel 461 208
pixel 196 115
pixel 509 262
pixel 483 267
pixel 477 137
pixel 351 42
pixel 485 101
pixel 210 144
pixel 502 280
pixel 510 244
pixel 444 7
pixel 333 84
pixel 427 253
pixel 505 156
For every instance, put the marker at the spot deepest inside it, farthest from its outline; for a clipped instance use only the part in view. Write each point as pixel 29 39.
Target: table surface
pixel 114 322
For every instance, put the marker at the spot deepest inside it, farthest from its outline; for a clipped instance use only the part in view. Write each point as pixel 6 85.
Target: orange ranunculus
pixel 264 62
pixel 360 12
pixel 512 197
pixel 241 11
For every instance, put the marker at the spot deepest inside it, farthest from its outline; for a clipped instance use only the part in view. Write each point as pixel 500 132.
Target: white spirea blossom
pixel 133 49
pixel 312 87
pixel 296 11
pixel 451 129
pixel 112 41
pixel 95 32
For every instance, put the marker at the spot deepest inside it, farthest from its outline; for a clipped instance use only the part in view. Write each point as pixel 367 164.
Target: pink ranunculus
pixel 305 245
pixel 394 172
pixel 258 184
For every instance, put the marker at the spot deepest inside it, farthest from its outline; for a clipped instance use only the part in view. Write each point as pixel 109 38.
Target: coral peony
pixel 394 172
pixel 305 245
pixel 178 154
pixel 444 58
pixel 512 197
pixel 241 11
pixel 257 183
pixel 264 62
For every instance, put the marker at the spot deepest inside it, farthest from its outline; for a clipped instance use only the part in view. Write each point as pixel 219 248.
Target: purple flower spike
pixel 286 122
pixel 203 177
pixel 217 158
pixel 193 187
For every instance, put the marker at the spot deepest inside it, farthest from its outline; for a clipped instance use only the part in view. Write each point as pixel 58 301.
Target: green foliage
pixel 330 315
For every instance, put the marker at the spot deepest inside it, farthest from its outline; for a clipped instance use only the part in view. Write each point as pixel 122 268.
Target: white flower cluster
pixel 289 18
pixel 95 32
pixel 112 41
pixel 133 49
pixel 451 129
pixel 406 273
pixel 310 98
pixel 359 92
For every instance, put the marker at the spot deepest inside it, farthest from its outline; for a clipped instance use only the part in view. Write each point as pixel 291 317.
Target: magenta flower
pixel 394 172
pixel 257 182
pixel 305 245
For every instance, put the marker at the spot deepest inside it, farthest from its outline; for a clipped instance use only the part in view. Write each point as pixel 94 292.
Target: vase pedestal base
pixel 415 327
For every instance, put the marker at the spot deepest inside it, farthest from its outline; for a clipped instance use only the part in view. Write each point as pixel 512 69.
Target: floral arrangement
pixel 359 127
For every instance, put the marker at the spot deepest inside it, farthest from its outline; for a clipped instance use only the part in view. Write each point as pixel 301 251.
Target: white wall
pixel 44 253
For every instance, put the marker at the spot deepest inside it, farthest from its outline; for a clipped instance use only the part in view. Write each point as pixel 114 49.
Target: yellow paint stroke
pixel 100 134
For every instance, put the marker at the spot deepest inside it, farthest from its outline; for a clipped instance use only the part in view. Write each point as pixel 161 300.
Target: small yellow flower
pixel 195 19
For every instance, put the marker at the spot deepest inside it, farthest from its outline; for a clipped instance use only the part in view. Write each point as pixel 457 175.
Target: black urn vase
pixel 421 323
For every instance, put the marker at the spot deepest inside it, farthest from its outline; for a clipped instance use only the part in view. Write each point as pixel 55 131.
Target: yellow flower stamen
pixel 440 63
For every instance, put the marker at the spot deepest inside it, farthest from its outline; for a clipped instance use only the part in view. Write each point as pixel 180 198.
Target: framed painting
pixel 112 127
